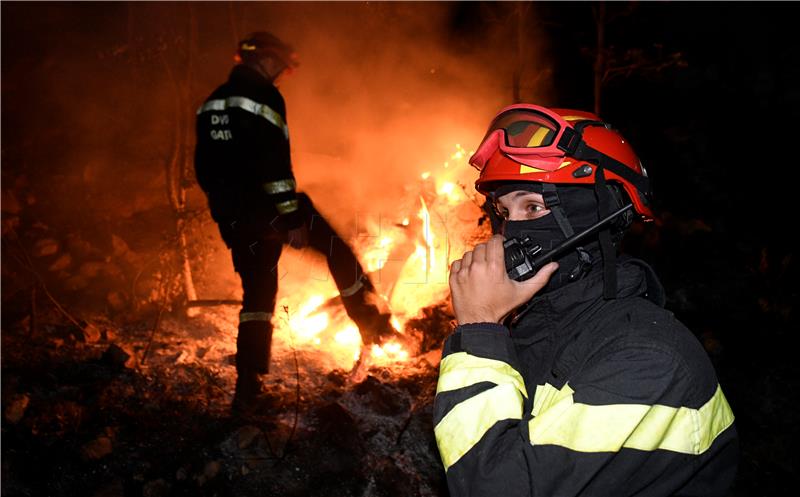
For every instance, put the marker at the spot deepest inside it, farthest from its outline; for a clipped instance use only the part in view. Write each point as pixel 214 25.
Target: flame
pixel 408 261
pixel 305 325
pixel 388 353
pixel 441 238
pixel 375 258
pixel 451 191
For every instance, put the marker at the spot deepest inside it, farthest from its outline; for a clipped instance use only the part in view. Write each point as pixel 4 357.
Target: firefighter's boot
pixel 252 360
pixel 370 313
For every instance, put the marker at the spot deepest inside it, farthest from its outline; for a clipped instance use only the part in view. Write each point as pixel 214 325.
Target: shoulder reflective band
pixel 280 186
pixel 254 316
pixel 460 370
pixel 466 424
pixel 608 428
pixel 251 106
pixel 287 207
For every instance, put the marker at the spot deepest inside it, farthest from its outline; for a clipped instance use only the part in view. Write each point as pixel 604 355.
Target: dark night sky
pixel 716 135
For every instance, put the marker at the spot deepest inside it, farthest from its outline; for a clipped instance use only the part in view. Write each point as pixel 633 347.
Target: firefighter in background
pixel 243 164
pixel 576 381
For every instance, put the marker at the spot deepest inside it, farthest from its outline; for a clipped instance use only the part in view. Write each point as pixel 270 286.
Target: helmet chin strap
pixel 264 71
pixel 553 203
pixel 258 65
pixel 607 249
pixel 576 147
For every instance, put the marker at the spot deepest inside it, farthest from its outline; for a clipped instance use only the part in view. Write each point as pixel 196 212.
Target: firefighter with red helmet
pixel 243 164
pixel 573 380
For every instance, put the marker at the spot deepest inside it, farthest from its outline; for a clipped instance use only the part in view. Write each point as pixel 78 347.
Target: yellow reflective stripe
pixel 538 137
pixel 254 316
pixel 351 290
pixel 547 396
pixel 244 103
pixel 714 418
pixel 575 118
pixel 523 169
pixel 287 207
pixel 461 370
pixel 467 422
pixel 280 186
pixel 608 428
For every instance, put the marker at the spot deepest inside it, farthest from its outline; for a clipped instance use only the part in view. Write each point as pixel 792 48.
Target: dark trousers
pixel 256 250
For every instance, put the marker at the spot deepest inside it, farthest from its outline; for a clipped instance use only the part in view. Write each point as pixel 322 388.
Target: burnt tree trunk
pixel 178 168
pixel 600 54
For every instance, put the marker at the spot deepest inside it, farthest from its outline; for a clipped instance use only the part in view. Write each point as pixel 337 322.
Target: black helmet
pixel 263 44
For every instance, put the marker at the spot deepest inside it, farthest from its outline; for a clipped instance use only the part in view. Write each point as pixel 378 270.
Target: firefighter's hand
pixel 481 290
pixel 298 237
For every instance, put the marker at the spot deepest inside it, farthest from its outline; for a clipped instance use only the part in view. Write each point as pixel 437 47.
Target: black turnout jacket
pixel 242 157
pixel 584 396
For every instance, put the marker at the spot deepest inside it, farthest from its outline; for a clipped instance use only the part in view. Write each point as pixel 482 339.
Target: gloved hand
pixel 298 237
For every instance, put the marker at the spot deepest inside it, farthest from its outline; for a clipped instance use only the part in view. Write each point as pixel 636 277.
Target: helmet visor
pixel 524 128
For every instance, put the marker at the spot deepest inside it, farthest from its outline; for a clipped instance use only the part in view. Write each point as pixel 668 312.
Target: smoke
pixel 381 96
pixel 385 91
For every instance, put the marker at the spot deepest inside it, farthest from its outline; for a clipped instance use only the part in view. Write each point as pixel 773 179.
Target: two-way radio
pixel 522 256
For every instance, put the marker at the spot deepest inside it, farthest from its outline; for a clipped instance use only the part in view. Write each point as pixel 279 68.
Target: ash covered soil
pixel 107 410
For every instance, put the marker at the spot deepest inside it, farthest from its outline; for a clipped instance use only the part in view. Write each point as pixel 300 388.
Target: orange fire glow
pixel 408 261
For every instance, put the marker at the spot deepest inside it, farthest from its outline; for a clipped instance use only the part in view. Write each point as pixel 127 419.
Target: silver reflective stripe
pixel 287 207
pixel 251 106
pixel 347 292
pixel 280 186
pixel 254 316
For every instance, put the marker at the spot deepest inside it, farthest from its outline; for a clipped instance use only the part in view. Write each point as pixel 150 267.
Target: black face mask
pixel 545 231
pixel 580 206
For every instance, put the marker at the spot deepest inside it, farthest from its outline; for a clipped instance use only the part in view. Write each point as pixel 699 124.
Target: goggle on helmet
pixel 529 143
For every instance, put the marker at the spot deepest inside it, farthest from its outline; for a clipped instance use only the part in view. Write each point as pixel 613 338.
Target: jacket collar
pixel 556 308
pixel 242 73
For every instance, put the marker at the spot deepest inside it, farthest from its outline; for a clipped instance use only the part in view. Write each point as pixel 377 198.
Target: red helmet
pixel 263 44
pixel 529 143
